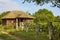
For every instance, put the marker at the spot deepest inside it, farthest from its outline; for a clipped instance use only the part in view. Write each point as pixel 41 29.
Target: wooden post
pixel 37 28
pixel 50 27
pixel 22 26
pixel 16 23
pixel 27 27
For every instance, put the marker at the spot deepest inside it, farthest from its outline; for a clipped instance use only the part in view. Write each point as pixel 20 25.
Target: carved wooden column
pixel 16 23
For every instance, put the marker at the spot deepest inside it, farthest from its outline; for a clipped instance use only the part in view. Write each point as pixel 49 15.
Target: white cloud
pixel 4 0
pixel 6 5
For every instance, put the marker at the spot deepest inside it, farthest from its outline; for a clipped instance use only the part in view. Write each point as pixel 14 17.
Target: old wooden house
pixel 16 18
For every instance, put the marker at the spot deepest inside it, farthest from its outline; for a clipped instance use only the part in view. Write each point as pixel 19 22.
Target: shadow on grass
pixel 6 37
pixel 30 35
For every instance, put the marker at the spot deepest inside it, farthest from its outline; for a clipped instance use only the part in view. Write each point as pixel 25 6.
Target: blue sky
pixel 6 5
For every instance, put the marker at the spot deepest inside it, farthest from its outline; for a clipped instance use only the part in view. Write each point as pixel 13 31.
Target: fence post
pixel 50 27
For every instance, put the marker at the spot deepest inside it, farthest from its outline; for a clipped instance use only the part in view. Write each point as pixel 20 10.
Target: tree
pixel 43 15
pixel 57 19
pixel 28 13
pixel 41 2
pixel 3 14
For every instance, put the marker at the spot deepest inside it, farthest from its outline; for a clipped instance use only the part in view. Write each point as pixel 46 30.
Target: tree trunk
pixel 50 27
pixel 37 28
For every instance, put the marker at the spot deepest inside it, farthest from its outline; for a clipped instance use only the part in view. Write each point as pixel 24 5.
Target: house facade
pixel 16 18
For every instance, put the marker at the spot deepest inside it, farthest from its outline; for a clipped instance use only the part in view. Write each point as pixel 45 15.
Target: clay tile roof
pixel 15 14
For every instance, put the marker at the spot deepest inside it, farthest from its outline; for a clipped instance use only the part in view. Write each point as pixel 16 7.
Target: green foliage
pixel 30 35
pixel 43 15
pixel 41 2
pixel 31 26
pixel 6 37
pixel 28 13
pixel 57 19
pixel 3 14
pixel 7 28
pixel 56 29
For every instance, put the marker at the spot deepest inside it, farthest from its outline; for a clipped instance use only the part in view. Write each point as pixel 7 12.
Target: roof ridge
pixel 20 14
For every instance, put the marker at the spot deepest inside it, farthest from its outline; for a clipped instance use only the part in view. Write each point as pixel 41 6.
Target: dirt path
pixel 1 39
pixel 11 35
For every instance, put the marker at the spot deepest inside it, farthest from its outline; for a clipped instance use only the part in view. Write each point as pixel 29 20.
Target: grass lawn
pixel 30 35
pixel 6 37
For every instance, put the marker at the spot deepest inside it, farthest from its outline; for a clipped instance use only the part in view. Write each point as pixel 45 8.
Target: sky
pixel 9 5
